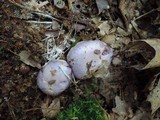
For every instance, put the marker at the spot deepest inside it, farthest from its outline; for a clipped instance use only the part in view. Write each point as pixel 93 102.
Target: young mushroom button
pixel 87 57
pixel 54 77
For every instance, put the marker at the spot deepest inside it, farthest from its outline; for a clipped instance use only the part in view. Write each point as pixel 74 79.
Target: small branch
pixel 145 14
pixel 12 52
pixel 39 22
pixel 33 109
pixel 45 15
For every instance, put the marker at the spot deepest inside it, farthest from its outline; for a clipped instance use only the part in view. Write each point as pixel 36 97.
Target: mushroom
pixel 88 57
pixel 54 77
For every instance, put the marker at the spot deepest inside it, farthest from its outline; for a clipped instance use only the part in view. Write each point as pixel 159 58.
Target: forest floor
pixel 32 32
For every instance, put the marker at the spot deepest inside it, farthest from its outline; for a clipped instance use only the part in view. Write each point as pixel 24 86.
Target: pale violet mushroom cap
pixel 86 57
pixel 54 77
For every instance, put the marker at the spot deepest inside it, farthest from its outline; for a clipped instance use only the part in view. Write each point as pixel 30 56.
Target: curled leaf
pixel 155 62
pixel 50 110
pixel 138 54
pixel 154 96
pixel 25 56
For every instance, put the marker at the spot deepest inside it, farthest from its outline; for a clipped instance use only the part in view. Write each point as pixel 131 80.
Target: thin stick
pixel 45 15
pixel 39 22
pixel 145 14
pixel 12 52
pixel 33 109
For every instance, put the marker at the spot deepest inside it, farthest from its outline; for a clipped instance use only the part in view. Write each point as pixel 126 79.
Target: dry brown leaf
pixel 155 62
pixel 138 54
pixel 70 2
pixel 25 56
pixel 151 84
pixel 122 108
pixel 34 5
pixel 97 21
pixel 122 31
pixel 116 42
pixel 127 8
pixel 142 33
pixel 105 28
pixel 51 110
pixel 139 115
pixel 154 97
pixel 109 39
pixel 102 5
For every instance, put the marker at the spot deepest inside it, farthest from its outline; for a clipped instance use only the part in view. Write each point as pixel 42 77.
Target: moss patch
pixel 86 109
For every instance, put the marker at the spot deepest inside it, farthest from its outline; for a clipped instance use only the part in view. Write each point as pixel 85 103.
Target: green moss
pixel 87 109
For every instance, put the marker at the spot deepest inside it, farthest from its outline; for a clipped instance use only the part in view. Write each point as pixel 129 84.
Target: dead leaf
pixel 70 4
pixel 105 28
pixel 34 5
pixel 116 60
pixel 139 115
pixel 142 33
pixel 122 108
pixel 138 54
pixel 122 32
pixel 154 97
pixel 76 5
pixel 78 27
pixel 115 41
pixel 151 84
pixel 155 62
pixel 156 116
pixel 25 56
pixel 109 39
pixel 102 5
pixel 127 8
pixel 50 110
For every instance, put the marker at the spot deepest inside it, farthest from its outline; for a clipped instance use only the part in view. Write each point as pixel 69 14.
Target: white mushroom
pixel 86 57
pixel 54 77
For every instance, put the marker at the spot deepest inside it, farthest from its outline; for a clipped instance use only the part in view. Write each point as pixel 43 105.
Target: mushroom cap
pixel 54 77
pixel 86 57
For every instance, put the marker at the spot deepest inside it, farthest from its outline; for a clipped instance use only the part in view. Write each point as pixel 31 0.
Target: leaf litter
pixel 42 30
